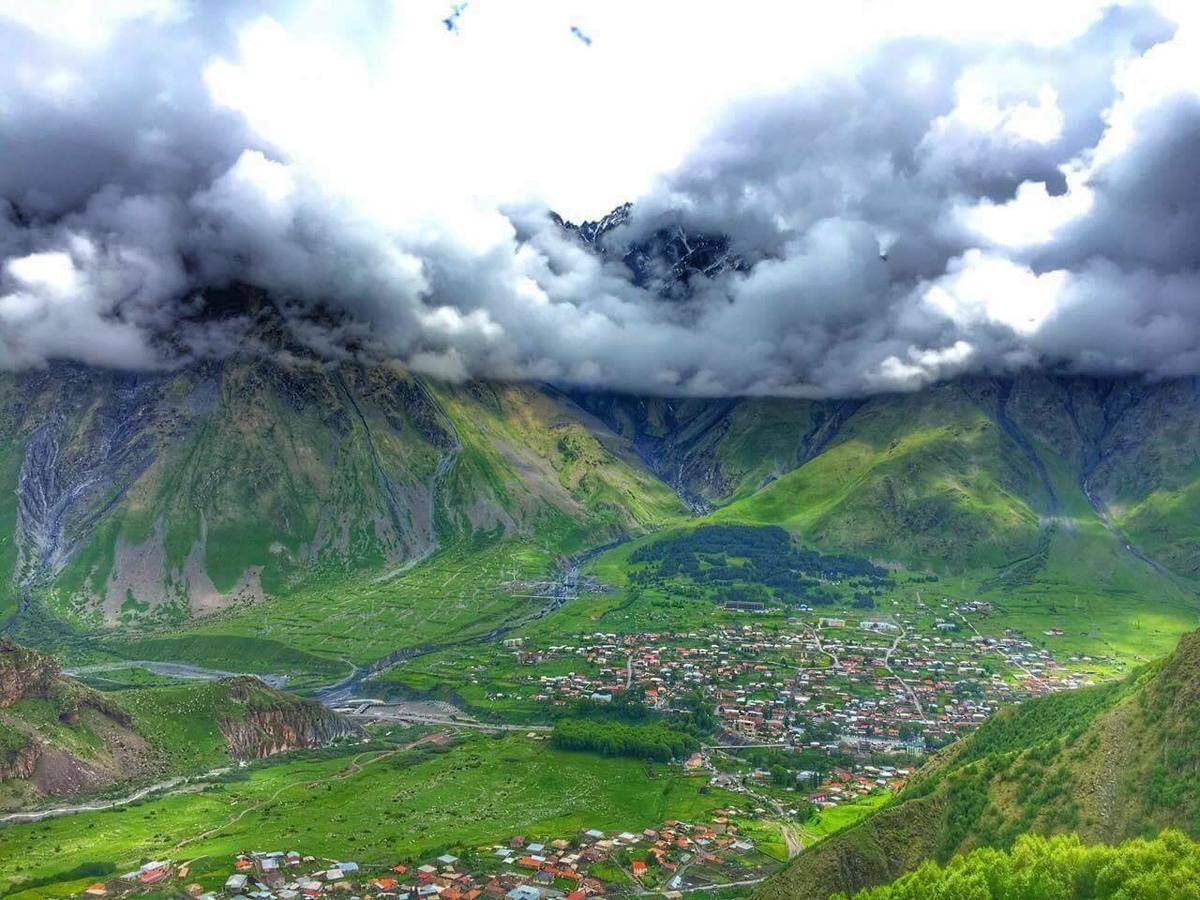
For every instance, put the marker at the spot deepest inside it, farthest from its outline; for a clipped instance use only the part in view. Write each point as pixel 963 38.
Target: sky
pixel 909 192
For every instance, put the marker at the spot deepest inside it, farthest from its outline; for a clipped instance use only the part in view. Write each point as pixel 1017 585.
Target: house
pixel 235 883
pixel 639 868
pixel 153 872
pixel 524 892
pixel 447 860
pixel 96 890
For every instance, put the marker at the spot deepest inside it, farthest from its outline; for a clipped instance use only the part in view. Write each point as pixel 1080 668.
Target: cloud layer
pixel 906 207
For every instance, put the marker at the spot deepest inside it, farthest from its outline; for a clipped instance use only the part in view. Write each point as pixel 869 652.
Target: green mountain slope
pixel 162 498
pixel 929 478
pixel 1108 763
pixel 992 487
pixel 1058 867
pixel 963 476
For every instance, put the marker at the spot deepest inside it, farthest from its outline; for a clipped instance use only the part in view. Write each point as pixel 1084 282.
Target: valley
pixel 599 451
pixel 819 599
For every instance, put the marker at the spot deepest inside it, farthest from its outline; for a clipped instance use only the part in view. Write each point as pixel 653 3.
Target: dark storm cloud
pixel 895 223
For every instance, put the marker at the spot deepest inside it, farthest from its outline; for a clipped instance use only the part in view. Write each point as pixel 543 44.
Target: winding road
pixel 887 664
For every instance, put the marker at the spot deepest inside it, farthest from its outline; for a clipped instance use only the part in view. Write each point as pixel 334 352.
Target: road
pixel 792 840
pixel 816 636
pixel 887 664
pixel 628 671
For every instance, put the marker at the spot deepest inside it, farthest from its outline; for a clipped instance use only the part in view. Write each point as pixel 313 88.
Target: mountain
pixel 155 499
pixel 150 500
pixel 59 737
pixel 667 260
pixel 968 475
pixel 1107 763
pixel 161 497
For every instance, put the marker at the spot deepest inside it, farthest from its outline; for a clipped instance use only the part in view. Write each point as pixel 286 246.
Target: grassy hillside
pixel 1133 447
pixel 985 485
pixel 929 479
pixel 962 476
pixel 1108 763
pixel 376 805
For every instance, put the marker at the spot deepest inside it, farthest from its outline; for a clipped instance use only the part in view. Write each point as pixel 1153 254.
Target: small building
pixel 235 883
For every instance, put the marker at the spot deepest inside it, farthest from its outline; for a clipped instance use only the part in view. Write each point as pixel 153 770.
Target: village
pixel 870 694
pixel 668 860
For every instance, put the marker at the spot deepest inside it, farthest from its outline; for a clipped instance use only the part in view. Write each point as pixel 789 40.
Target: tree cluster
pixel 653 742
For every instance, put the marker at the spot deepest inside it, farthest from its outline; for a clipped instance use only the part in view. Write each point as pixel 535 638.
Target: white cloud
pixel 387 181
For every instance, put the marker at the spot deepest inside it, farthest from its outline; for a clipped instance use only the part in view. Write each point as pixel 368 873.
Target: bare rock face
pixel 25 673
pixel 21 761
pixel 272 722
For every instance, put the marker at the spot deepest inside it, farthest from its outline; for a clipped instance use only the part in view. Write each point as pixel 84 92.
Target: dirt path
pixel 835 662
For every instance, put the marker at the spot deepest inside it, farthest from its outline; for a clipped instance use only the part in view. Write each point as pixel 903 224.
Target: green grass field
pixel 825 822
pixel 374 806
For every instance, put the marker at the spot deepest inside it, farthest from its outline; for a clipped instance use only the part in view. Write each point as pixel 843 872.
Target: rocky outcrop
pixel 25 673
pixel 19 757
pixel 27 754
pixel 271 722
